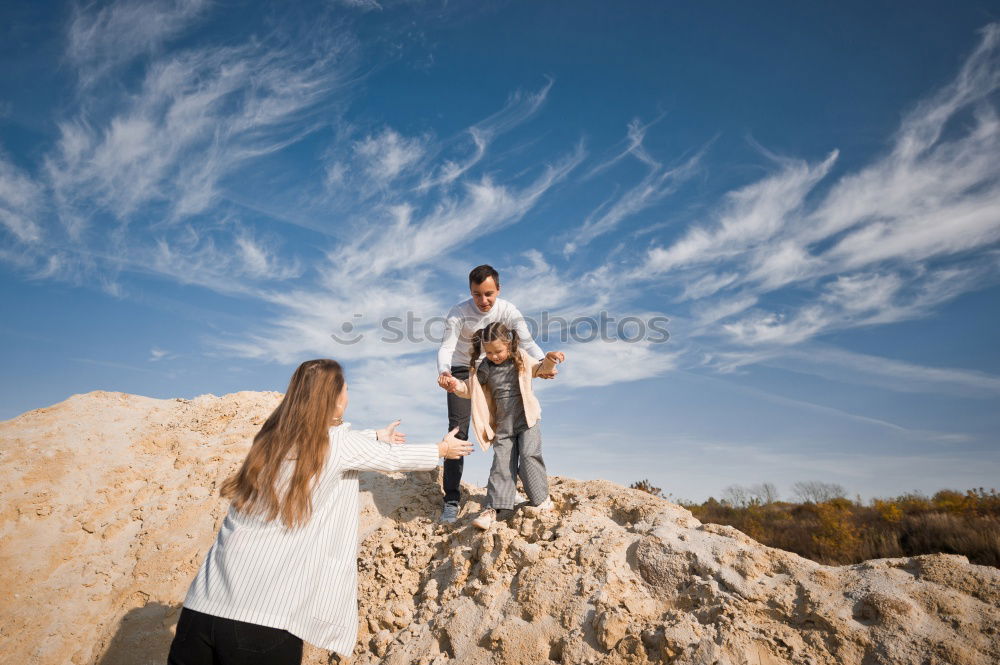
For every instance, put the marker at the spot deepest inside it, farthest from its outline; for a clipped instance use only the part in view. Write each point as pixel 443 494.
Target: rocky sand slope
pixel 111 500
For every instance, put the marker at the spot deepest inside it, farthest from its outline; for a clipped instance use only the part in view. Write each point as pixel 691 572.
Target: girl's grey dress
pixel 517 448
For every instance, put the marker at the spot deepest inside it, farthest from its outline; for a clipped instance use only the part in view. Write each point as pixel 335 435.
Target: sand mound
pixel 111 500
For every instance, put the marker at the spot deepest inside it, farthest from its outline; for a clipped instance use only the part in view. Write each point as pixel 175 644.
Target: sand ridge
pixel 111 501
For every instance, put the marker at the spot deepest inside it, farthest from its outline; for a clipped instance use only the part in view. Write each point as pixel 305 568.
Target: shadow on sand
pixel 414 494
pixel 143 636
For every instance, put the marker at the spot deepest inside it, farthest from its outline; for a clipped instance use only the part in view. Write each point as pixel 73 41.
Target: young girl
pixel 283 568
pixel 505 413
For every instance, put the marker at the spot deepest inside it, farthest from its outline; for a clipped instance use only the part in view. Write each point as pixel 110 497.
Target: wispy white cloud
pixel 635 135
pixel 198 258
pixel 452 170
pixel 704 285
pixel 592 364
pixel 20 202
pixel 776 327
pixel 136 180
pixel 888 373
pixel 387 154
pixel 385 274
pixel 485 207
pixel 848 300
pixel 382 390
pixel 658 183
pixel 863 292
pixel 519 108
pixel 750 219
pixel 101 39
pixel 521 105
pixel 363 5
pixel 710 312
pixel 229 260
pixel 198 116
pixel 865 299
pixel 347 320
pixel 538 285
pixel 887 243
pixel 930 436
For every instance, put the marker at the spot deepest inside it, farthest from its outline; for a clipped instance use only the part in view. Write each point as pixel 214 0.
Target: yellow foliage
pixel 888 510
pixel 836 537
pixel 952 502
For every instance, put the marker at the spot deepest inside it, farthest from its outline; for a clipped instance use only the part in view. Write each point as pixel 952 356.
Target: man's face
pixel 485 294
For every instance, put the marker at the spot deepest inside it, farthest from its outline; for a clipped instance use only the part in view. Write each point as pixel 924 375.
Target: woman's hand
pixel 452 448
pixel 389 434
pixel 556 356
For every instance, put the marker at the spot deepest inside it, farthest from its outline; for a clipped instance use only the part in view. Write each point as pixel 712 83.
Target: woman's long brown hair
pixel 296 432
pixel 491 333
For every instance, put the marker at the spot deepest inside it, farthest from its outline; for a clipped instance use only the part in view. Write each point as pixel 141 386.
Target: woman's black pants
pixel 203 639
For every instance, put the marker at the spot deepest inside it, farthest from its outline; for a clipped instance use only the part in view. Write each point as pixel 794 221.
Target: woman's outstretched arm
pixel 360 453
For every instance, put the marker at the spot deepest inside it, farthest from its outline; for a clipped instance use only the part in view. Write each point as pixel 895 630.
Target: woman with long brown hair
pixel 283 568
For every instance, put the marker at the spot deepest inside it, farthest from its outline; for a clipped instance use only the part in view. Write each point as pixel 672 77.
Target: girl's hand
pixel 452 448
pixel 447 381
pixel 556 356
pixel 389 433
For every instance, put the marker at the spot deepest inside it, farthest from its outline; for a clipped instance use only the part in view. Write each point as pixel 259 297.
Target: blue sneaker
pixel 450 512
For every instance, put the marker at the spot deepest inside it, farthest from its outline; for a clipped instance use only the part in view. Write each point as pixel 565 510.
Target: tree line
pixel 824 525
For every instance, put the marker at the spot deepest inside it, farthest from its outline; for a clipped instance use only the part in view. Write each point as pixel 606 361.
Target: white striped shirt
pixel 303 580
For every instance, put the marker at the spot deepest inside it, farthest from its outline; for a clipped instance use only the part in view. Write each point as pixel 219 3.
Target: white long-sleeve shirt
pixel 465 318
pixel 303 580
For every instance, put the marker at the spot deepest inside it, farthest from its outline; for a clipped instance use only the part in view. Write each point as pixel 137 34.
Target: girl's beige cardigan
pixel 483 408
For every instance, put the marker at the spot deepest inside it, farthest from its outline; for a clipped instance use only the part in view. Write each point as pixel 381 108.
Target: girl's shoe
pixel 543 507
pixel 489 517
pixel 485 519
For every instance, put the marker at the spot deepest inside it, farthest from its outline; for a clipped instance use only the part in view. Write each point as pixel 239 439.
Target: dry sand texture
pixel 111 500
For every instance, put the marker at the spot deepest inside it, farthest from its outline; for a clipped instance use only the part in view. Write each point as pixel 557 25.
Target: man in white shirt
pixel 484 307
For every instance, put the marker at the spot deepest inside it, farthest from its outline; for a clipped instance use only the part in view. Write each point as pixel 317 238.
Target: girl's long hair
pixel 491 333
pixel 297 432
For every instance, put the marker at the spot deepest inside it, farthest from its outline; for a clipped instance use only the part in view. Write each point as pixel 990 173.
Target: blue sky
pixel 195 195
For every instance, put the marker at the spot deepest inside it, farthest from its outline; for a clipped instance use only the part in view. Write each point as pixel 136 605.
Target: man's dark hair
pixel 481 273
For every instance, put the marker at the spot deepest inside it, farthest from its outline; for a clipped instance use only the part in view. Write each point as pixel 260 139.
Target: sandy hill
pixel 110 501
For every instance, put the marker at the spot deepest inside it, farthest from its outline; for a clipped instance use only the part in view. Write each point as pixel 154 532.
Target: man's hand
pixel 552 358
pixel 389 434
pixel 446 381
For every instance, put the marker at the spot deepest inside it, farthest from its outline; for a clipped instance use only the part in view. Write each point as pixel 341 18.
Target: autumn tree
pixel 815 491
